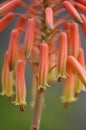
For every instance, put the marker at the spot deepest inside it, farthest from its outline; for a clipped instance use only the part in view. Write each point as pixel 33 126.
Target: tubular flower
pixel 73 12
pixel 9 6
pixel 29 36
pixel 7 79
pixel 43 66
pixel 82 2
pixel 81 7
pixel 62 56
pixel 77 67
pixel 6 20
pixel 49 17
pixel 52 59
pixel 20 85
pixel 13 49
pixel 79 86
pixel 74 40
pixel 68 89
pixel 83 25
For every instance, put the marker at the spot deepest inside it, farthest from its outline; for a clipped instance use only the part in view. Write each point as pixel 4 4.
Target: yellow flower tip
pixel 68 99
pixel 2 93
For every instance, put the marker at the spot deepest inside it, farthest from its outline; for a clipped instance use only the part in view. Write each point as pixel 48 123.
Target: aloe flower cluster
pixel 51 46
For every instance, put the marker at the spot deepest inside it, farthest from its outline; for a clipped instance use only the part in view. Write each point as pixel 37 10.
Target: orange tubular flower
pixel 81 7
pixel 49 17
pixel 62 56
pixel 20 23
pixel 7 79
pixel 79 86
pixel 20 85
pixel 52 60
pixel 83 25
pixel 74 44
pixel 6 20
pixel 29 36
pixel 77 67
pixel 82 2
pixel 9 6
pixel 13 49
pixel 43 67
pixel 68 89
pixel 73 12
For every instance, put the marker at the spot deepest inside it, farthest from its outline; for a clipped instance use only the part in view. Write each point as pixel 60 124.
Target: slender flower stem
pixel 39 104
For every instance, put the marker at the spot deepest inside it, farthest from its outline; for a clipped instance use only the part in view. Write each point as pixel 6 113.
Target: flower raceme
pixel 51 46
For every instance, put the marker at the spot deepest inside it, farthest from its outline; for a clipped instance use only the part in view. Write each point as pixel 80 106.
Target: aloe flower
pixel 51 46
pixel 20 85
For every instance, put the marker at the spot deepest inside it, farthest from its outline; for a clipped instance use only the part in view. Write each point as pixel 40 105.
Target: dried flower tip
pixel 21 108
pixel 49 17
pixel 73 12
pixel 6 20
pixel 29 36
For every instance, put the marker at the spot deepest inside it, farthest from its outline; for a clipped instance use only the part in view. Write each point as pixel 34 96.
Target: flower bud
pixel 49 17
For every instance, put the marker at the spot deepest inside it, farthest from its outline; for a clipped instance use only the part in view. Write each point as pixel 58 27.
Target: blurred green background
pixel 55 116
